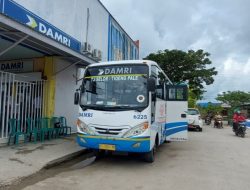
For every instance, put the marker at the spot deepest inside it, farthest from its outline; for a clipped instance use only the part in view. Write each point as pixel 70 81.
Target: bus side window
pixel 160 84
pixel 179 93
pixel 171 94
pixel 160 91
pixel 176 93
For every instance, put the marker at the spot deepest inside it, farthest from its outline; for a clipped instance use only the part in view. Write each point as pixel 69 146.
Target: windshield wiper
pixel 92 92
pixel 128 107
pixel 84 107
pixel 112 108
pixel 140 109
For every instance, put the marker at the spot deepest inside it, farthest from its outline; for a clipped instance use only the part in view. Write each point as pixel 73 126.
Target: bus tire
pixel 150 156
pixel 98 153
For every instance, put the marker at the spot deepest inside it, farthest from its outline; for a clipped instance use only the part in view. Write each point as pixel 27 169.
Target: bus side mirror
pixel 76 98
pixel 81 88
pixel 153 97
pixel 151 84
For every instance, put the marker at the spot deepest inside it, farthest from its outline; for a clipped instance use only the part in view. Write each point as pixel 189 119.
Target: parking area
pixel 212 159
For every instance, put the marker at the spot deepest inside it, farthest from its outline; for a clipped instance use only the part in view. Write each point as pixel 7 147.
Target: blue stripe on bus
pixel 121 144
pixel 176 130
pixel 174 124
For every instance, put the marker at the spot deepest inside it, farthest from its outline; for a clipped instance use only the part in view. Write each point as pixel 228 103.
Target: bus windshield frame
pixel 115 87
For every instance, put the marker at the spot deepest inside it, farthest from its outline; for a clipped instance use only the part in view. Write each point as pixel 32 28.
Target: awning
pixel 23 35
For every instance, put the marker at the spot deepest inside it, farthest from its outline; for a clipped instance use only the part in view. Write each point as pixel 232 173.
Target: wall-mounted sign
pixel 23 16
pixel 17 66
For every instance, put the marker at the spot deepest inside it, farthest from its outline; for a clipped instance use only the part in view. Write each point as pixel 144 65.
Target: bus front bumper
pixel 141 144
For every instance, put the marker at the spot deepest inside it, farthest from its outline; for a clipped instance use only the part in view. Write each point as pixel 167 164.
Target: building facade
pixel 43 47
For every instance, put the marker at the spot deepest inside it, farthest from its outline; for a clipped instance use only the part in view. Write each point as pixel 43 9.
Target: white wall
pixel 71 17
pixel 64 95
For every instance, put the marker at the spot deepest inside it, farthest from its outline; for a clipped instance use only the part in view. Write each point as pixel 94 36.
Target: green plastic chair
pixel 64 126
pixel 44 127
pixel 55 123
pixel 32 129
pixel 16 131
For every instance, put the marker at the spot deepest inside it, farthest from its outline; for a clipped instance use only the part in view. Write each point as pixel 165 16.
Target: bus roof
pixel 124 62
pixel 148 62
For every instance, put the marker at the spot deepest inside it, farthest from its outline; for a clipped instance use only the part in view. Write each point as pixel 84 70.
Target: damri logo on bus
pixel 115 71
pixel 45 29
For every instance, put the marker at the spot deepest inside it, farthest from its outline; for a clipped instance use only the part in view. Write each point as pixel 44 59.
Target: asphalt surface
pixel 214 159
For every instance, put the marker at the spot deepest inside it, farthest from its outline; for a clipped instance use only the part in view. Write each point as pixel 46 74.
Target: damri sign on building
pixel 24 16
pixel 48 31
pixel 17 66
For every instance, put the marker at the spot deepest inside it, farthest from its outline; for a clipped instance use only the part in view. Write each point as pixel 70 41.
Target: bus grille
pixel 109 131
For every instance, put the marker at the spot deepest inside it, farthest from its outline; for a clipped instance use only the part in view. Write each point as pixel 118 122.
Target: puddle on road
pixel 28 151
pixel 16 160
pixel 79 162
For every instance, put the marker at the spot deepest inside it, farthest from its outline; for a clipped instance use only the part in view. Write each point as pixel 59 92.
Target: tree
pixel 188 66
pixel 211 108
pixel 191 99
pixel 234 98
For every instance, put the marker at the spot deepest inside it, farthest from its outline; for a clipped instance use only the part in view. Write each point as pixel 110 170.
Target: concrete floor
pixel 214 159
pixel 18 162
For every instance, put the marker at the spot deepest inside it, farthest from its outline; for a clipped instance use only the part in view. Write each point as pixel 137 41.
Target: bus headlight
pixel 137 130
pixel 83 128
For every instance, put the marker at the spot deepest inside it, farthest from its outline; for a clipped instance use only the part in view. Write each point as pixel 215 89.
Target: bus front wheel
pixel 150 156
pixel 99 153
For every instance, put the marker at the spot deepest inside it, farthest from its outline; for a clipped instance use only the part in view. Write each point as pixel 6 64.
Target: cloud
pixel 233 75
pixel 219 27
pixel 232 66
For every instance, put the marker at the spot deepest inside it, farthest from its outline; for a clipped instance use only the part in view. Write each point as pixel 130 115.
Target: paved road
pixel 212 160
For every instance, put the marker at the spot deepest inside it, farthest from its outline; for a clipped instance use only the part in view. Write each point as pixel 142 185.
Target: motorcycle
pixel 208 120
pixel 218 123
pixel 241 130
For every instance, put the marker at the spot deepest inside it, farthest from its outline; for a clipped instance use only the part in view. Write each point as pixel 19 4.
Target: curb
pixel 15 182
pixel 65 158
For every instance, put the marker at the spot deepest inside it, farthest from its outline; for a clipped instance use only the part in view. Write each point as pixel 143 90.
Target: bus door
pixel 160 112
pixel 176 110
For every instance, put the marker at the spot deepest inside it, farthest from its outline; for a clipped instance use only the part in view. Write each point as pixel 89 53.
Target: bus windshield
pixel 115 87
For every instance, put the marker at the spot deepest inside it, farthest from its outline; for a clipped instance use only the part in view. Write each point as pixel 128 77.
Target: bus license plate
pixel 107 147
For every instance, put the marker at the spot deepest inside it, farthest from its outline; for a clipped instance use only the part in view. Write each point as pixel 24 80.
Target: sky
pixel 220 27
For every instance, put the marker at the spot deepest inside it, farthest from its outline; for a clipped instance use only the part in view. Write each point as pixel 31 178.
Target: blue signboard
pixel 24 16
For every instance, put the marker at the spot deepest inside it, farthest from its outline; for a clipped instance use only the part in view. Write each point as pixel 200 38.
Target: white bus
pixel 130 106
